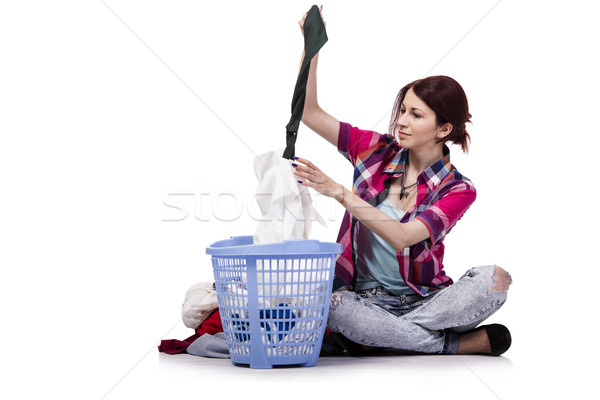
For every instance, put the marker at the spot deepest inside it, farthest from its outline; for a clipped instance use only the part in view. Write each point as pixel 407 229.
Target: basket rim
pixel 244 246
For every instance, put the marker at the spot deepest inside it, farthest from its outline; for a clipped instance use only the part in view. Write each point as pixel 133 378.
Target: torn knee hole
pixel 501 280
pixel 336 298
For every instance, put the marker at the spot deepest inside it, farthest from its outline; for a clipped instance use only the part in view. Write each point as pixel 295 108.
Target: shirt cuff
pixel 343 138
pixel 429 226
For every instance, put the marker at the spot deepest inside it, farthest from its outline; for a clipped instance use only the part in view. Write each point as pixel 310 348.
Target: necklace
pixel 404 204
pixel 405 190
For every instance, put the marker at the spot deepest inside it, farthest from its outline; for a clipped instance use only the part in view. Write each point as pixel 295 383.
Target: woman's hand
pixel 316 179
pixel 301 22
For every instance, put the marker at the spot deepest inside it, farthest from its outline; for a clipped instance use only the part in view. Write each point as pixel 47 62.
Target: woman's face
pixel 417 124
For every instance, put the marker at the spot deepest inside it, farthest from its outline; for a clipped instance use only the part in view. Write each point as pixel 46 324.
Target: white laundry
pixel 286 207
pixel 200 301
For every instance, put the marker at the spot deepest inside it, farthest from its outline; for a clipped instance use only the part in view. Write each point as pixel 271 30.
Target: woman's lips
pixel 402 134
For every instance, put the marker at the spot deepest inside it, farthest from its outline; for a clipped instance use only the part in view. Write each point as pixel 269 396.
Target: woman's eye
pixel 402 111
pixel 416 115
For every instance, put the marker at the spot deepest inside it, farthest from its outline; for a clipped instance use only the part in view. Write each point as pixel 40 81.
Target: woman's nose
pixel 400 121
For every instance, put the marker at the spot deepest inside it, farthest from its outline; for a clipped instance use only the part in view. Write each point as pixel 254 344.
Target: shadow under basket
pixel 273 298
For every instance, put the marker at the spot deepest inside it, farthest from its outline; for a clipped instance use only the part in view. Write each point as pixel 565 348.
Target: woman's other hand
pixel 301 22
pixel 316 179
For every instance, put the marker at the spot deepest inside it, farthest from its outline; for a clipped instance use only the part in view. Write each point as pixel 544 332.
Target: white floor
pixel 525 371
pixel 102 365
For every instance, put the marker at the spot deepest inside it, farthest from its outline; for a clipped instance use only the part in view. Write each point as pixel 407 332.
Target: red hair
pixel 447 99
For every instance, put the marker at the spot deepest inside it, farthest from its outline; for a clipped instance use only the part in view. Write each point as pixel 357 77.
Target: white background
pixel 125 124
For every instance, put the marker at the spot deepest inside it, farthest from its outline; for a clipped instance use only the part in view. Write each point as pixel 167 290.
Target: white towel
pixel 286 206
pixel 200 301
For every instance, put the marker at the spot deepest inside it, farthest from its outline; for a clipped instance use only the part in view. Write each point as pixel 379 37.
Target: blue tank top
pixel 377 264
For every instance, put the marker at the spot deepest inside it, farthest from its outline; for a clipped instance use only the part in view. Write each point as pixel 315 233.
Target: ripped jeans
pixel 414 323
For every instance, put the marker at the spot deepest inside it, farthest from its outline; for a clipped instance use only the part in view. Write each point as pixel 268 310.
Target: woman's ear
pixel 444 130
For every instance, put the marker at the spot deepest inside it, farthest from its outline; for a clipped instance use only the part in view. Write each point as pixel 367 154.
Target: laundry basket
pixel 273 298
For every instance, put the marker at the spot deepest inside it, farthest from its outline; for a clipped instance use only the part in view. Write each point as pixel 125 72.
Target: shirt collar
pixel 432 175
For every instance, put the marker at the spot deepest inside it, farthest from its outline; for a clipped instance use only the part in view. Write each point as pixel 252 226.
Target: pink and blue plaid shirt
pixel 443 196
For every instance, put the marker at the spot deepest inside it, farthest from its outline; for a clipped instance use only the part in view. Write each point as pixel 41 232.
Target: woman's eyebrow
pixel 413 108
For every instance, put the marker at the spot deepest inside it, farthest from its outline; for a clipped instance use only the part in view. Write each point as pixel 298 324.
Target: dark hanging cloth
pixel 314 38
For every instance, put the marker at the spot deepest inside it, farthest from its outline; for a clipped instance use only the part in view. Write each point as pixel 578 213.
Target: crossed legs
pixel 436 324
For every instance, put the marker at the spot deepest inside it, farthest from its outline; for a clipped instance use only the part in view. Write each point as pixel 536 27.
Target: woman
pixel 391 288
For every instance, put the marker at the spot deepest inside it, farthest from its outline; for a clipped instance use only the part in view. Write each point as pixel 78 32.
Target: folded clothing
pixel 207 345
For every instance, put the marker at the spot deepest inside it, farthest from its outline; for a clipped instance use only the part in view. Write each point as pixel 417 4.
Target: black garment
pixel 314 38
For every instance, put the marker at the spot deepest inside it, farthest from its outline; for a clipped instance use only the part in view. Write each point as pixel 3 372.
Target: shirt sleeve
pixel 441 216
pixel 354 142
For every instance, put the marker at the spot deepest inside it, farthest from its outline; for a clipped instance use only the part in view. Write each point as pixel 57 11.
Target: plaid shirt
pixel 443 196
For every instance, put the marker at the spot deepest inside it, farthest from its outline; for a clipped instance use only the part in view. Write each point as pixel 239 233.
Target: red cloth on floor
pixel 211 325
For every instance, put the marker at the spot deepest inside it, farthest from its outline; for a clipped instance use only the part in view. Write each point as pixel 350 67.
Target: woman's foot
pixel 491 340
